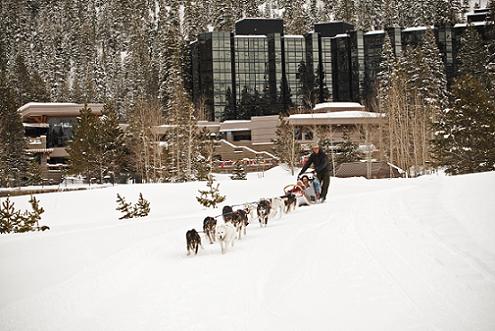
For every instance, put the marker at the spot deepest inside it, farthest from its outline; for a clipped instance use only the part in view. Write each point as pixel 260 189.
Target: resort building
pixel 48 128
pixel 334 62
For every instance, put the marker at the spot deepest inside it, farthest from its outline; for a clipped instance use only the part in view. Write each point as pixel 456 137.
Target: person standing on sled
pixel 320 162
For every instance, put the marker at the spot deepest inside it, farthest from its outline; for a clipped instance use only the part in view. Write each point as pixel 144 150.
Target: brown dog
pixel 240 221
pixel 209 226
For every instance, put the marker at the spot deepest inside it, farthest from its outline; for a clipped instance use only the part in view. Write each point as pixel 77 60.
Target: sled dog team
pixel 236 221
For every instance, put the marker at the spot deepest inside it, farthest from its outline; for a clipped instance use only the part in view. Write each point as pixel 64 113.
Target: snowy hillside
pixel 404 254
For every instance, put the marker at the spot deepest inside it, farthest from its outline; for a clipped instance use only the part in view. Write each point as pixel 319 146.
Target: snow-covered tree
pixel 345 10
pixel 465 133
pixel 239 171
pixel 348 151
pixel 473 55
pixel 296 17
pixel 97 149
pixel 13 160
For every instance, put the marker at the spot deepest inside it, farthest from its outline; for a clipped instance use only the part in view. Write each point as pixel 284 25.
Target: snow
pixel 401 254
pixel 250 36
pixel 418 28
pixel 46 104
pixel 374 32
pixel 296 36
pixel 463 25
pixel 338 105
pixel 338 114
pixel 342 35
pixel 236 121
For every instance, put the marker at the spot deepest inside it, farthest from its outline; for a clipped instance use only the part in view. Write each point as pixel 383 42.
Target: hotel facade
pixel 338 62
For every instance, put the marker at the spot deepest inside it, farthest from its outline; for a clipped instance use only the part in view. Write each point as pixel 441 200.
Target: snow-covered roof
pixel 257 18
pixel 323 105
pixel 374 32
pixel 56 109
pixel 35 125
pixel 236 121
pixel 250 36
pixel 47 104
pixel 204 124
pixel 342 35
pixel 463 25
pixel 234 129
pixel 338 114
pixel 418 28
pixel 294 36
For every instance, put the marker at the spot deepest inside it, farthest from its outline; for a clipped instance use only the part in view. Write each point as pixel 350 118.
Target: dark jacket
pixel 319 161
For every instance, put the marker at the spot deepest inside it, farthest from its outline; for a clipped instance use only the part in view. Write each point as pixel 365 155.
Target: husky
pixel 209 225
pixel 264 207
pixel 290 203
pixel 277 207
pixel 225 235
pixel 240 221
pixel 193 241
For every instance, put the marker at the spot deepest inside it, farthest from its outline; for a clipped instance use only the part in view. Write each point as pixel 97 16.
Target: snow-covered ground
pixel 403 254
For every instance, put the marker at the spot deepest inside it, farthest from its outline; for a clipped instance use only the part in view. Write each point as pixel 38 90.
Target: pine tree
pixel 210 197
pixel 348 151
pixel 142 207
pixel 345 10
pixel 112 160
pixel 473 55
pixel 13 160
pixel 203 162
pixel 83 149
pixel 239 172
pixel 223 15
pixel 9 217
pixel 98 148
pixel 296 17
pixel 250 8
pixel 33 173
pixel 30 220
pixel 368 15
pixel 124 207
pixel 465 132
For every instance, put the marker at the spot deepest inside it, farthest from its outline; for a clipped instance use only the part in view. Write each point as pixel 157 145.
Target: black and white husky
pixel 290 203
pixel 193 241
pixel 264 207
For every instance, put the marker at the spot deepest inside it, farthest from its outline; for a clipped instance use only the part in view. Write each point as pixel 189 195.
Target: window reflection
pixel 60 131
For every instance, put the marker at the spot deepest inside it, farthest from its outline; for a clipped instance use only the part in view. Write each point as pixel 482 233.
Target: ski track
pixel 378 255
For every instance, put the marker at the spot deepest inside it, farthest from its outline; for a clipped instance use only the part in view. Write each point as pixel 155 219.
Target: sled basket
pixel 292 188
